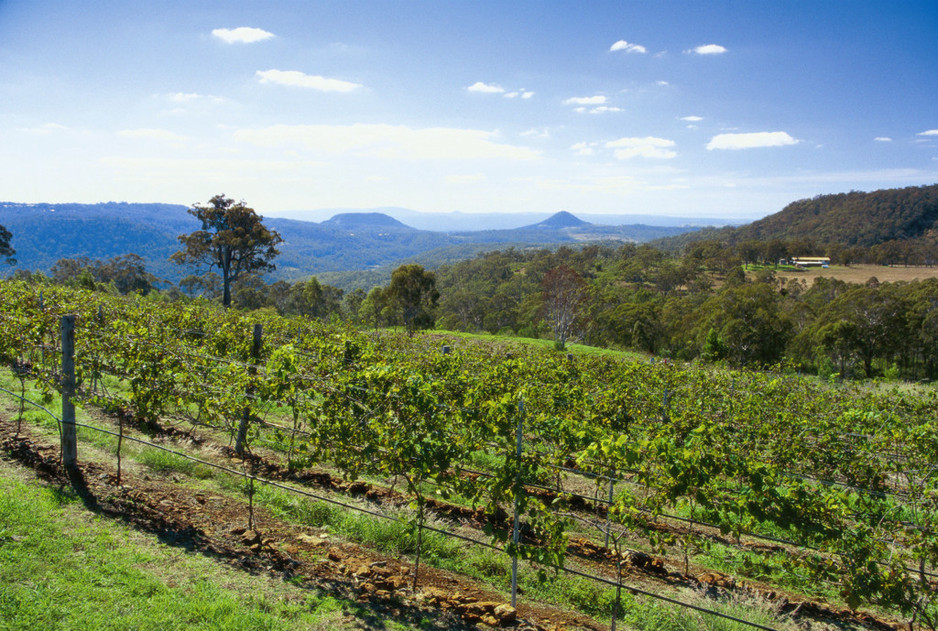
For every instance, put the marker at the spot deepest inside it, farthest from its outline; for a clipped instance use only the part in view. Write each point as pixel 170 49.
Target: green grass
pixel 575 349
pixel 164 462
pixel 61 568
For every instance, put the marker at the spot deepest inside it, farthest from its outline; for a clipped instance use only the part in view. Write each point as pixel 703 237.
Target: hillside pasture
pixel 862 273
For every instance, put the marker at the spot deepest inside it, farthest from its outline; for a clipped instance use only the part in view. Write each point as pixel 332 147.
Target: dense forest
pixel 886 226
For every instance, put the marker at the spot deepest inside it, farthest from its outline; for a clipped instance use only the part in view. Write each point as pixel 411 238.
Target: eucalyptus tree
pixel 233 239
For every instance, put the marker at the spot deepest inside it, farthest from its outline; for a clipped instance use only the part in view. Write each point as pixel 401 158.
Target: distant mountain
pixel 462 222
pixel 367 221
pixel 559 221
pixel 908 215
pixel 346 242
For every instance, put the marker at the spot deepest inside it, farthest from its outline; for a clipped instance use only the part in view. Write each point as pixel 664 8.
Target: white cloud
pixel 242 35
pixel 295 78
pixel 930 132
pixel 192 97
pixel 602 109
pixel 491 88
pixel 389 142
pixel 751 140
pixel 883 139
pixel 584 148
pixel 485 88
pixel 535 132
pixel 708 49
pixel 184 97
pixel 692 119
pixel 464 179
pixel 586 100
pixel 44 129
pixel 151 134
pixel 647 147
pixel 662 83
pixel 627 47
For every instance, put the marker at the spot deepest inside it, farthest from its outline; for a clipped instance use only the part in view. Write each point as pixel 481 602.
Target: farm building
pixel 811 261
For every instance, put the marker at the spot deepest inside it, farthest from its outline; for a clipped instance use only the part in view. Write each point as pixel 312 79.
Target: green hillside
pixel 899 221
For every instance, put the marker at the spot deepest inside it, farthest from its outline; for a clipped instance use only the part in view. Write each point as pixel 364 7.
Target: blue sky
pixel 712 109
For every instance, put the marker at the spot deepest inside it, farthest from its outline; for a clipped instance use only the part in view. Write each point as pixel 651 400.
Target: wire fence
pixel 54 350
pixel 308 494
pixel 244 474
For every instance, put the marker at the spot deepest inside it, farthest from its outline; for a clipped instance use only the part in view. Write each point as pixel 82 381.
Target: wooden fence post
pixel 246 414
pixel 69 434
pixel 516 530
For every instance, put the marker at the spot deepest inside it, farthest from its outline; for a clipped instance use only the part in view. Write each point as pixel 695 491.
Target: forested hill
pixel 903 217
pixel 853 218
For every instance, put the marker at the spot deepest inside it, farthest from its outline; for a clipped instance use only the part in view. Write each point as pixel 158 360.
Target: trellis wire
pixel 446 533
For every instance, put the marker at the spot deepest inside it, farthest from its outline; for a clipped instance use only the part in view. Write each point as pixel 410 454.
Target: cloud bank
pixel 389 141
pixel 647 147
pixel 295 78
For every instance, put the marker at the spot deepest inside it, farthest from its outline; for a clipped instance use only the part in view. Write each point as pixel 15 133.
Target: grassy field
pixel 862 273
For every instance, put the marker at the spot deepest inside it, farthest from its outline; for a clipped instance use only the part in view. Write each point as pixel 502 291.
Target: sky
pixel 672 108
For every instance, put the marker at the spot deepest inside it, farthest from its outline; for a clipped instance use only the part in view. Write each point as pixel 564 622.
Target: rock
pixel 505 613
pixel 717 580
pixel 380 571
pixel 434 595
pixel 481 608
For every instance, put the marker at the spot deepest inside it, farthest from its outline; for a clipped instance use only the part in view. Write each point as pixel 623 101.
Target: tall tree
pixel 564 292
pixel 6 250
pixel 233 239
pixel 413 292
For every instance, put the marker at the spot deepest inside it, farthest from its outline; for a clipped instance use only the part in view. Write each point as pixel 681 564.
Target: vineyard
pixel 648 480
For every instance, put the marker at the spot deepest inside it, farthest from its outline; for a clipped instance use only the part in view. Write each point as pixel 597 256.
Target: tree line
pixel 698 305
pixel 701 305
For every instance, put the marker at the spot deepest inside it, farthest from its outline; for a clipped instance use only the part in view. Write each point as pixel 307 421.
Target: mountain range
pixel 342 246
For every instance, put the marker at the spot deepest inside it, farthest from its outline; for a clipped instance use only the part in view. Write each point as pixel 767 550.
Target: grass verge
pixel 62 568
